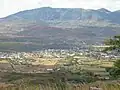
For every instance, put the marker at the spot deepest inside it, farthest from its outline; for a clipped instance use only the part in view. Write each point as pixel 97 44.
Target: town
pixel 47 60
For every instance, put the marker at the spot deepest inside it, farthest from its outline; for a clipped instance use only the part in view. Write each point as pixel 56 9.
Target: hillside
pixel 48 13
pixel 57 28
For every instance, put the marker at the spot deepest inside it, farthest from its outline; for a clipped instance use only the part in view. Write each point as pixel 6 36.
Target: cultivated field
pixel 36 76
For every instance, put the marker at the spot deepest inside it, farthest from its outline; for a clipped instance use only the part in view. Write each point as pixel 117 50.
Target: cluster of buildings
pixel 51 53
pixel 24 58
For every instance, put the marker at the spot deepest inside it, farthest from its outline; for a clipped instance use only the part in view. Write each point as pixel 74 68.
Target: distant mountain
pixel 115 16
pixel 104 10
pixel 57 28
pixel 48 13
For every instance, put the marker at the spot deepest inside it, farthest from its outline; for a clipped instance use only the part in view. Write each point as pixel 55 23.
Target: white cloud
pixel 11 6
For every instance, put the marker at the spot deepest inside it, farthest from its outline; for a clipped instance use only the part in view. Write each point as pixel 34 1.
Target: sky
pixel 8 7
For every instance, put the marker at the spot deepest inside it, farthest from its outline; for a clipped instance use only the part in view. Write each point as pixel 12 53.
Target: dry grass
pixel 100 85
pixel 47 61
pixel 106 64
pixel 41 61
pixel 4 61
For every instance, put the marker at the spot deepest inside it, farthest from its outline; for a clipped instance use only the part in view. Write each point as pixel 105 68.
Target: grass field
pixel 18 81
pixel 99 85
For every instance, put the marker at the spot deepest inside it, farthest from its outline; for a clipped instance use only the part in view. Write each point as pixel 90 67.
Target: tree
pixel 117 64
pixel 114 44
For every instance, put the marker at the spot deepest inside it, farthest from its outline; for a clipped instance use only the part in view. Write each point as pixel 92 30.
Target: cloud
pixel 87 4
pixel 11 6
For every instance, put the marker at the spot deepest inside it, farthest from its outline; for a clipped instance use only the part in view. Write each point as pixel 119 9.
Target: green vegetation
pixel 114 44
pixel 53 81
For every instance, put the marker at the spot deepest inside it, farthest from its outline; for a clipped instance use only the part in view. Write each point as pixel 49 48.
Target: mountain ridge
pixel 57 28
pixel 48 13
